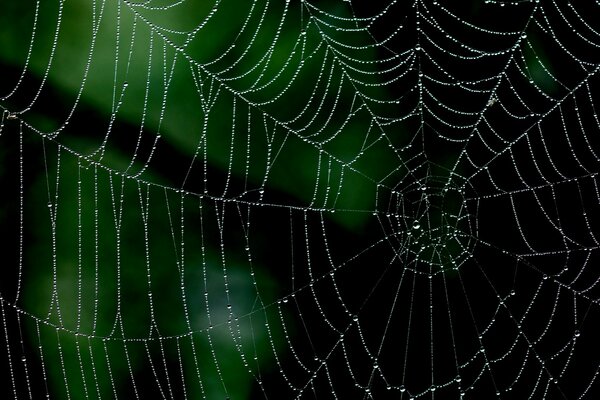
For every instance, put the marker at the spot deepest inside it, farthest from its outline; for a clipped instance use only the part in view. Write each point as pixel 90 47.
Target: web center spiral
pixel 434 226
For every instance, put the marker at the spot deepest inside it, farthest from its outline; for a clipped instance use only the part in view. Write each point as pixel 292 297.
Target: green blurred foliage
pixel 220 82
pixel 234 90
pixel 130 280
pixel 130 64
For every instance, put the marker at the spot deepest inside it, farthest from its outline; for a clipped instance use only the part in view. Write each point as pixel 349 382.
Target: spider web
pixel 299 199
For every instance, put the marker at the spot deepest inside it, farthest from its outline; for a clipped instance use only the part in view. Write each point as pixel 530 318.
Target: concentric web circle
pixel 433 228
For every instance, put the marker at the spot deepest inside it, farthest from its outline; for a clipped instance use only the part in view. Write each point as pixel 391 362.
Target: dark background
pixel 528 309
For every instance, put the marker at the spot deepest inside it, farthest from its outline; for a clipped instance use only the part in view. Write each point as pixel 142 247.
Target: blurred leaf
pixel 120 287
pixel 203 90
pixel 233 96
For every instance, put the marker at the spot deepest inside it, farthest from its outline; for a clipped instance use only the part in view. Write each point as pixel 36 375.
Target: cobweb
pixel 300 199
